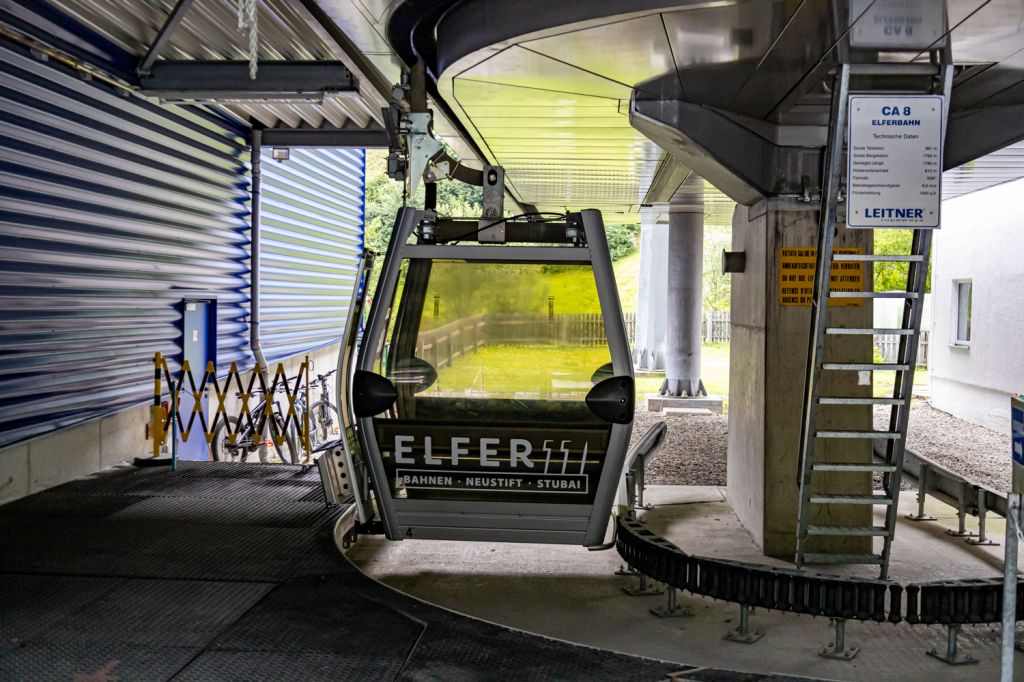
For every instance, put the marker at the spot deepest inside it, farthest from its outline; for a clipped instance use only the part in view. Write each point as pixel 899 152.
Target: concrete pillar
pixel 766 383
pixel 649 346
pixel 685 301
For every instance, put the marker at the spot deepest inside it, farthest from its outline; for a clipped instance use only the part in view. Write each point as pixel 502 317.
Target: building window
pixel 962 312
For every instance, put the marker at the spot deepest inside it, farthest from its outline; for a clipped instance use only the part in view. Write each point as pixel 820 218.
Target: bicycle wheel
pixel 326 424
pixel 287 452
pixel 221 449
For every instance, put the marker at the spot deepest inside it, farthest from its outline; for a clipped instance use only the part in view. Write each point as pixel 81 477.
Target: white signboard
pixel 898 24
pixel 894 161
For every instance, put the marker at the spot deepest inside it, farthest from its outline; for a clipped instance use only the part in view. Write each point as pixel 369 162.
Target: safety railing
pixel 967 496
pixel 167 419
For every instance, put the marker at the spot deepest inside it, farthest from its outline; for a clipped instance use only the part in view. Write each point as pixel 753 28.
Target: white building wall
pixel 981 239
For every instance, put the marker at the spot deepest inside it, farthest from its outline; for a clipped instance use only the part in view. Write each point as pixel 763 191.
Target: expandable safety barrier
pixel 952 602
pixel 160 419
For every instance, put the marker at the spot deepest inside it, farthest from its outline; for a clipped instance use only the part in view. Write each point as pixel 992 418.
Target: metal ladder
pixel 821 331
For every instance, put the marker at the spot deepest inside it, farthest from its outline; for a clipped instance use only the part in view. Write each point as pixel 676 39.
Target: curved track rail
pixel 948 602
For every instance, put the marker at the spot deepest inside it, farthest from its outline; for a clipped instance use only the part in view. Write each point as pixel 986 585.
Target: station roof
pixel 544 89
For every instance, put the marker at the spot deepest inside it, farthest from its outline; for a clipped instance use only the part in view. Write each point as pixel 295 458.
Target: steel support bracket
pixel 742 633
pixel 951 655
pixel 837 647
pixel 672 609
pixel 643 589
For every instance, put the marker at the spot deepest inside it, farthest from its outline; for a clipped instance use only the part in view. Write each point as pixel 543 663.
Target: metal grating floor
pixel 228 571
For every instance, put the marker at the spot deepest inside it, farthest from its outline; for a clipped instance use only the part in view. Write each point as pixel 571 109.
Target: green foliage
pixel 384 198
pixel 622 240
pixel 716 282
pixel 454 199
pixel 893 276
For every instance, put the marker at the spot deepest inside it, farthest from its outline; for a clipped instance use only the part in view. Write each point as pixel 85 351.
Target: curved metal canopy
pixel 544 89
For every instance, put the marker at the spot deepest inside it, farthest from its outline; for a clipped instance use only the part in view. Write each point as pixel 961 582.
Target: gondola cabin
pixel 494 385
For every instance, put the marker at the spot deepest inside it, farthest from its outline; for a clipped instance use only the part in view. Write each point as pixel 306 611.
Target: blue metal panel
pixel 311 224
pixel 112 210
pixel 198 350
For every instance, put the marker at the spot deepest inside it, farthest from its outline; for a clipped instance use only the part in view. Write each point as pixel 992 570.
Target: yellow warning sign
pixel 796 276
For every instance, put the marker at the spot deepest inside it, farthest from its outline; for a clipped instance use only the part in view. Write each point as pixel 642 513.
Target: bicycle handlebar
pixel 285 389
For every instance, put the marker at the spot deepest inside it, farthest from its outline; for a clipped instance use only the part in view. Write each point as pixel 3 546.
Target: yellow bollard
pixel 156 416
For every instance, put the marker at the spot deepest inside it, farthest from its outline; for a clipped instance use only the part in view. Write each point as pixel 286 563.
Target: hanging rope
pixel 248 21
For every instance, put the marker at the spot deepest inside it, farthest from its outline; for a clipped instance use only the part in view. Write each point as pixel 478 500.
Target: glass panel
pixel 512 330
pixel 493 363
pixel 963 316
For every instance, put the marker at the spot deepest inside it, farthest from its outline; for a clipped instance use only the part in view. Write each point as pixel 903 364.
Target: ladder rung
pixel 887 435
pixel 870 467
pixel 895 69
pixel 860 401
pixel 877 258
pixel 866 366
pixel 869 330
pixel 872 294
pixel 850 499
pixel 859 531
pixel 818 558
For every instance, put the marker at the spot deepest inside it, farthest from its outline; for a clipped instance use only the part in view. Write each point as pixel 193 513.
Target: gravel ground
pixel 973 451
pixel 694 452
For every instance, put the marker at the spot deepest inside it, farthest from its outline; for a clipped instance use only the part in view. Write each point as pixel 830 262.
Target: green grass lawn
pixel 885 382
pixel 714 363
pixel 627 276
pixel 511 369
pixel 545 369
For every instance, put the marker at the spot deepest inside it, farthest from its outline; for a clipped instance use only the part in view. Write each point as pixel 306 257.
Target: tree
pixel 716 283
pixel 384 197
pixel 893 276
pixel 622 240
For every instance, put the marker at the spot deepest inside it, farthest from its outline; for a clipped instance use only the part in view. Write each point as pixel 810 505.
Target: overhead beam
pixel 376 87
pixel 195 80
pixel 668 177
pixel 171 23
pixel 325 137
pixel 979 132
pixel 733 158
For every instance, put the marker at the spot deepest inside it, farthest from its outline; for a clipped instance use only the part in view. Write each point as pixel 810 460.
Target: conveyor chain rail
pixel 950 602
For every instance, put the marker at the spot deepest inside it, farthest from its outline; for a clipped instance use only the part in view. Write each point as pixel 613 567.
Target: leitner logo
pixel 908 213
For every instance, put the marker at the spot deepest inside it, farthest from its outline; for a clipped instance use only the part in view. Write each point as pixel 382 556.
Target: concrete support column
pixel 649 345
pixel 685 301
pixel 767 365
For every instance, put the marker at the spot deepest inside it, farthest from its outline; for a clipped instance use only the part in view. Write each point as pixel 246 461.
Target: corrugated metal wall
pixel 112 210
pixel 311 222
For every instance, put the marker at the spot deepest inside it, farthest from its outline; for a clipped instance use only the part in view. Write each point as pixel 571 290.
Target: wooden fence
pixel 715 328
pixel 441 346
pixel 888 346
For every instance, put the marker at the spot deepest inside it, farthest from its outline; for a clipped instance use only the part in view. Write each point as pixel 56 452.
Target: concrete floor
pixel 573 594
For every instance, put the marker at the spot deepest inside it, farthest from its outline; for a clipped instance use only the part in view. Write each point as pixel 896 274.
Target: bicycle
pixel 324 418
pixel 249 437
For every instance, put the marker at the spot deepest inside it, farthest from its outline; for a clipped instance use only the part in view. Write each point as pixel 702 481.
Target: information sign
pixel 1017 441
pixel 894 161
pixel 797 265
pixel 898 24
